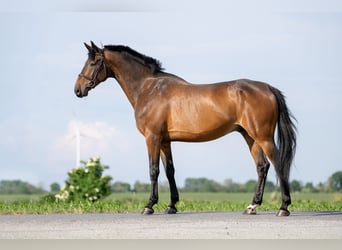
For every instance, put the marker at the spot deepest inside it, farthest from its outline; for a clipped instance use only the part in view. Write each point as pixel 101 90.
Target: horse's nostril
pixel 78 92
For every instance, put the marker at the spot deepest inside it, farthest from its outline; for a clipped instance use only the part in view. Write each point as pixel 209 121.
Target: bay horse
pixel 167 108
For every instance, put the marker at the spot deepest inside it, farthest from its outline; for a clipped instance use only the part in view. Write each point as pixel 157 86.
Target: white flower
pixel 97 190
pixel 63 195
pixel 93 162
pixel 86 170
pixel 95 159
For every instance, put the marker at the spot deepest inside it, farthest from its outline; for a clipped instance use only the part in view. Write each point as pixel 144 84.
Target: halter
pixel 92 83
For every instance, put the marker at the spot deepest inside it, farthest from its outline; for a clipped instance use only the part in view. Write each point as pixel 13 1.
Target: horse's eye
pixel 93 63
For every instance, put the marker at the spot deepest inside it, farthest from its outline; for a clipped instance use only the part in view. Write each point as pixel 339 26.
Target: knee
pixel 154 173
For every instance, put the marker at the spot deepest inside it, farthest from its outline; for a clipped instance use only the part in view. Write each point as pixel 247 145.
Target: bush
pixel 86 183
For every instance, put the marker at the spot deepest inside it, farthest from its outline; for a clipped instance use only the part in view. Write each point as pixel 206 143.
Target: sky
pixel 295 46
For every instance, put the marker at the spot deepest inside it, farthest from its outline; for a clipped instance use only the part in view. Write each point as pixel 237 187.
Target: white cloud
pixel 96 139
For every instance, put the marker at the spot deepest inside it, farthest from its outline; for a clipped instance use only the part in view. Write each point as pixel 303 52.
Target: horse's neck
pixel 132 83
pixel 130 91
pixel 126 73
pixel 132 77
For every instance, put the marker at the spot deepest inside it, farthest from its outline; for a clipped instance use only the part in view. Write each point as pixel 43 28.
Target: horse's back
pixel 201 112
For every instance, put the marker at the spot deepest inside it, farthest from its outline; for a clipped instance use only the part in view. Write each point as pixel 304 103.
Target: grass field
pixel 190 202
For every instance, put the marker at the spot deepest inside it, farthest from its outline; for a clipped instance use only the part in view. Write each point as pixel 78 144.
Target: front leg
pixel 166 157
pixel 153 147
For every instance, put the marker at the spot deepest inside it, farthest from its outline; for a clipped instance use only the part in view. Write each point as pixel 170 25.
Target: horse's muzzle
pixel 81 92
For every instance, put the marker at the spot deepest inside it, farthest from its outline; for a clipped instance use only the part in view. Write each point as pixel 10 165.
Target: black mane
pixel 152 63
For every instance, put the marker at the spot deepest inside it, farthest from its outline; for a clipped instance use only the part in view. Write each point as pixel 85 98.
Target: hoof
pixel 171 210
pixel 250 210
pixel 147 211
pixel 283 212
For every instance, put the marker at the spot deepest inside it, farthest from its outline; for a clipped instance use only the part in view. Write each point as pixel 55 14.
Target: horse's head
pixel 93 72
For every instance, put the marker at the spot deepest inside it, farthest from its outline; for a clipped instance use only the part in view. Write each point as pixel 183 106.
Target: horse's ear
pixel 94 47
pixel 88 47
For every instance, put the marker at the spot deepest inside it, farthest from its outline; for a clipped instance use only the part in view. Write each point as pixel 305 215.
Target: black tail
pixel 286 134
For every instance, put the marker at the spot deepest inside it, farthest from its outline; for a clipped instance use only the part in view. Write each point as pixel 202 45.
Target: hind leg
pixel 262 166
pixel 273 154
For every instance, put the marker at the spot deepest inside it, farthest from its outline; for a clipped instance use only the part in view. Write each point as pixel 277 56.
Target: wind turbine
pixel 77 137
pixel 78 144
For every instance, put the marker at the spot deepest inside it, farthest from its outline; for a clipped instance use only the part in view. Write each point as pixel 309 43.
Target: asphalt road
pixel 227 225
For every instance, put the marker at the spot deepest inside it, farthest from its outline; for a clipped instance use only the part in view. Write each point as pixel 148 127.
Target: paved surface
pixel 310 225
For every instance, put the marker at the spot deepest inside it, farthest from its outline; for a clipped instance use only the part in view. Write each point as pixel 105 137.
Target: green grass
pixel 190 202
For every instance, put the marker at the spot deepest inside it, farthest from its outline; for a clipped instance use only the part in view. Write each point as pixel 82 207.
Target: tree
pixel 121 187
pixel 202 185
pixel 19 187
pixel 141 187
pixel 164 187
pixel 295 186
pixel 335 181
pixel 55 187
pixel 250 186
pixel 322 187
pixel 230 186
pixel 309 188
pixel 269 186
